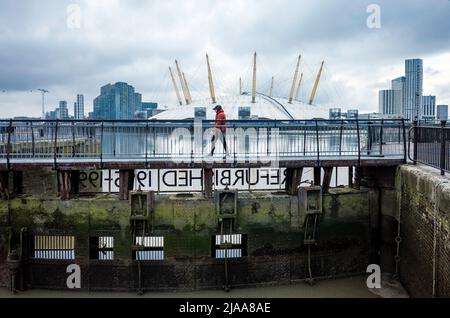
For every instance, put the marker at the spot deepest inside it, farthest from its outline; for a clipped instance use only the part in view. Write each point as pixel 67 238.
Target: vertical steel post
pixel 146 145
pixel 317 141
pixel 359 142
pixel 442 160
pixel 404 140
pixel 416 137
pixel 32 139
pixel 304 139
pixel 340 139
pixel 101 146
pixel 73 139
pixel 8 145
pixel 55 145
pixel 381 137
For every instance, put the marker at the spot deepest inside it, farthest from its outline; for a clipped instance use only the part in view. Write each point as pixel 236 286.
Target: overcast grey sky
pixel 135 41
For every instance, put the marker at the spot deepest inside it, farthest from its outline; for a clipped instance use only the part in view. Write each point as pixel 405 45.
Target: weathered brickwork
pixel 425 247
pixel 273 224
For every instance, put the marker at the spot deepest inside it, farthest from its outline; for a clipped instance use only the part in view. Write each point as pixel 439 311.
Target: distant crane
pixel 43 91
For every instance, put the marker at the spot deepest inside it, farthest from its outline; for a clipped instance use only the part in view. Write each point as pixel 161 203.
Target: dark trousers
pixel 218 135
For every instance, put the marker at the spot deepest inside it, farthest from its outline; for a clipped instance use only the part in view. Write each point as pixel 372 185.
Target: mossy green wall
pixel 272 221
pixel 423 209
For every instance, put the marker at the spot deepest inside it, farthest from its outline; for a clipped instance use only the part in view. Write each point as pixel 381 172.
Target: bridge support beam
pixel 126 179
pixel 317 175
pixel 17 182
pixel 328 172
pixel 358 177
pixel 63 184
pixel 293 179
pixel 350 176
pixel 208 182
pixel 75 182
pixel 68 183
pixel 4 185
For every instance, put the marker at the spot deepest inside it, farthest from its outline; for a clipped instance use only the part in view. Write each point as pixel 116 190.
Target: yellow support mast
pixel 177 92
pixel 187 88
pixel 254 79
pixel 294 80
pixel 271 87
pixel 298 86
pixel 210 81
pixel 183 87
pixel 316 83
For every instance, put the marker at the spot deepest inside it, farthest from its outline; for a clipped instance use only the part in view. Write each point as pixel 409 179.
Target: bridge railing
pixel 188 140
pixel 430 144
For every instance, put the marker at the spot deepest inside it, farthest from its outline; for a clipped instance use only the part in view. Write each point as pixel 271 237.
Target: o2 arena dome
pixel 246 105
pixel 241 107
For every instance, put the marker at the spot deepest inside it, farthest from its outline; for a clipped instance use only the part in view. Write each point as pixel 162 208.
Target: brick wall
pixel 425 249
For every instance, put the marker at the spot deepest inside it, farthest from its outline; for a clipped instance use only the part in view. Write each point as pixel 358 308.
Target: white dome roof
pixel 265 107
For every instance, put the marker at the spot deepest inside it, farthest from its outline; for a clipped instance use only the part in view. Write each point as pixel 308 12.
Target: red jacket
pixel 221 120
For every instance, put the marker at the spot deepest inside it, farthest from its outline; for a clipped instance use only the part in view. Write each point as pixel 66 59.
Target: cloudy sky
pixel 43 44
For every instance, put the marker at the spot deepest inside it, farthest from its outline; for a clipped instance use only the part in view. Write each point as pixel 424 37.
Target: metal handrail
pixel 310 139
pixel 422 138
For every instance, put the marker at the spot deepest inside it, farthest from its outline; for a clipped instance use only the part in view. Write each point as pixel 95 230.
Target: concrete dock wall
pixel 272 222
pixel 424 213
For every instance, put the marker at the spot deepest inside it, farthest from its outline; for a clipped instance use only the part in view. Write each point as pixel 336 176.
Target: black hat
pixel 217 107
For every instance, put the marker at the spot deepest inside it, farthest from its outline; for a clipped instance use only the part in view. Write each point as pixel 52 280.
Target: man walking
pixel 219 129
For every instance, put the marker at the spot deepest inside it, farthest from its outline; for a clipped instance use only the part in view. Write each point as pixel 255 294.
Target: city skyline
pixel 405 97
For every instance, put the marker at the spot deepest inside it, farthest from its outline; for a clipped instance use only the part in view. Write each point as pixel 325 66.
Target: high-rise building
pixel 398 86
pixel 413 88
pixel 352 114
pixel 428 107
pixel 62 112
pixel 78 107
pixel 117 101
pixel 386 102
pixel 334 113
pixel 442 112
pixel 51 115
pixel 150 108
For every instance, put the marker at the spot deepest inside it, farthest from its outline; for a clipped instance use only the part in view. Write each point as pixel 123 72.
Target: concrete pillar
pixel 17 182
pixel 4 185
pixel 350 176
pixel 293 179
pixel 74 182
pixel 63 184
pixel 328 172
pixel 126 179
pixel 317 175
pixel 68 183
pixel 208 182
pixel 358 177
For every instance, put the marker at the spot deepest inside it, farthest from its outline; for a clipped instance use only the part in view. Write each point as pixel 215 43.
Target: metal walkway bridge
pixel 133 144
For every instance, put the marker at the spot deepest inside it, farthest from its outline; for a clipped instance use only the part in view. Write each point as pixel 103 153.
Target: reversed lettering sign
pixel 187 180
